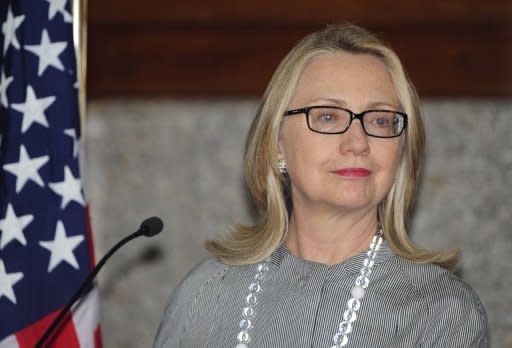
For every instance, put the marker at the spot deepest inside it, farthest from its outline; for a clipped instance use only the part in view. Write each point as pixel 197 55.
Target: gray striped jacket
pixel 302 303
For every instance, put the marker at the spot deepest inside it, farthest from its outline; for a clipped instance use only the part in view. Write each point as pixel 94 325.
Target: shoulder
pixel 440 286
pixel 202 279
pixel 455 315
pixel 202 274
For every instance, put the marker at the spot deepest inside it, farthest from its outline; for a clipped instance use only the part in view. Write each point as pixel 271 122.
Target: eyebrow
pixel 336 101
pixel 343 103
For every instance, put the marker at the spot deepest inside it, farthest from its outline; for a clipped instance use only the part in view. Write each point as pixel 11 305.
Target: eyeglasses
pixel 335 120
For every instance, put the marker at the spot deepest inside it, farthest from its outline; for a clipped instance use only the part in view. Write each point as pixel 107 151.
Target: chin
pixel 352 203
pixel 353 197
pixel 355 206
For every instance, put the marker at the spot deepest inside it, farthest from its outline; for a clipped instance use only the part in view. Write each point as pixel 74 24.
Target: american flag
pixel 46 247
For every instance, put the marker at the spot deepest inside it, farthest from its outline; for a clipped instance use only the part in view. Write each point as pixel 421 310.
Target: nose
pixel 355 139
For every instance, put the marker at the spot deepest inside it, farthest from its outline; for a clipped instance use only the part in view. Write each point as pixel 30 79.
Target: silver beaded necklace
pixel 340 339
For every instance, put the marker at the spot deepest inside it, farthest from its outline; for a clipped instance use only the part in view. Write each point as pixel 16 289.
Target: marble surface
pixel 181 160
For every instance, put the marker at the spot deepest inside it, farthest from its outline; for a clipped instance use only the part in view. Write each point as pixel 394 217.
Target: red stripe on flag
pixel 64 337
pixel 98 341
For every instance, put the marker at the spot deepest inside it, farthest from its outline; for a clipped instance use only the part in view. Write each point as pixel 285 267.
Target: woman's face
pixel 350 171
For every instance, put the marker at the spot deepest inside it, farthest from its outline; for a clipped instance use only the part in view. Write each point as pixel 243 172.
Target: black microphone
pixel 149 228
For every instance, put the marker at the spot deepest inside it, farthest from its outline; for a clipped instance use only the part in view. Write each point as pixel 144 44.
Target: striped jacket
pixel 301 305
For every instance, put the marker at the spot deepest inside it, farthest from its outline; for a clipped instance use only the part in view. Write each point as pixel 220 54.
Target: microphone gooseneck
pixel 149 228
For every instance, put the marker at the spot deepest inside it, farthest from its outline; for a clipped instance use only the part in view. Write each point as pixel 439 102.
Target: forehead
pixel 355 80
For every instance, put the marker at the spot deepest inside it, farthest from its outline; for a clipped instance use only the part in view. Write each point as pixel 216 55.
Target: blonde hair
pixel 248 244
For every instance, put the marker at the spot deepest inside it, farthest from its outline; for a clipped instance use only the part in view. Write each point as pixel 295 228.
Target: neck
pixel 330 239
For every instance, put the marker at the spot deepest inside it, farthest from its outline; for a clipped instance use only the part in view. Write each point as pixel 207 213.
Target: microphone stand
pixel 87 282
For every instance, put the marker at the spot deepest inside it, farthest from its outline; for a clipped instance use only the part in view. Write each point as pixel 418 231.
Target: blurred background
pixel 172 87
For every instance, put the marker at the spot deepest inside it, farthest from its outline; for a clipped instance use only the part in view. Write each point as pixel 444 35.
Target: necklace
pixel 340 339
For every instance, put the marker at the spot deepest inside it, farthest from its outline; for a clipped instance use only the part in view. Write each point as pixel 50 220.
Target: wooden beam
pixel 231 49
pixel 286 12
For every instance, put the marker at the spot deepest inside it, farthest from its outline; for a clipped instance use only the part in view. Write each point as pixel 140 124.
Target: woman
pixel 332 162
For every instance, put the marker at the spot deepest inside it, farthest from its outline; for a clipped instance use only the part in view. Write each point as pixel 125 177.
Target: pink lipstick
pixel 353 172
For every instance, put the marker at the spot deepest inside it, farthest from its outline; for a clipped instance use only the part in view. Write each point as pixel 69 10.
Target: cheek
pixel 306 154
pixel 297 145
pixel 387 159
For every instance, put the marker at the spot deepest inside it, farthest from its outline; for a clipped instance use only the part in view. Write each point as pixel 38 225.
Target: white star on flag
pixel 72 133
pixel 26 169
pixel 33 109
pixel 48 53
pixel 9 29
pixel 59 6
pixel 70 189
pixel 12 227
pixel 4 84
pixel 61 248
pixel 7 281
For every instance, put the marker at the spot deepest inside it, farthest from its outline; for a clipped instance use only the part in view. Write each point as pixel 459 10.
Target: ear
pixel 280 146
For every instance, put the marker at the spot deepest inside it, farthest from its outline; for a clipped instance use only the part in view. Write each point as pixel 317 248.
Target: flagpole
pixel 80 42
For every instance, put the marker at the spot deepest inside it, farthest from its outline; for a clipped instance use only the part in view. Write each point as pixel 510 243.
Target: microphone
pixel 149 228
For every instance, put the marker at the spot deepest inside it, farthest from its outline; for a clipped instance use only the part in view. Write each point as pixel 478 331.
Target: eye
pixel 381 119
pixel 327 117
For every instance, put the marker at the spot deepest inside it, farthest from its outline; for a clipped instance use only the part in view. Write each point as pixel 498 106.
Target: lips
pixel 353 172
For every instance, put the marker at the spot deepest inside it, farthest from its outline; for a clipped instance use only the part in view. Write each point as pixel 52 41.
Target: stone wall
pixel 181 160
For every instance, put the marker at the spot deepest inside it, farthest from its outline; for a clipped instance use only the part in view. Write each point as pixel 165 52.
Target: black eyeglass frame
pixel 353 115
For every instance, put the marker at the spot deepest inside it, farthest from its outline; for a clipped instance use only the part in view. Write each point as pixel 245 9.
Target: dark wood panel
pixel 131 59
pixel 189 62
pixel 221 12
pixel 458 61
pixel 226 48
